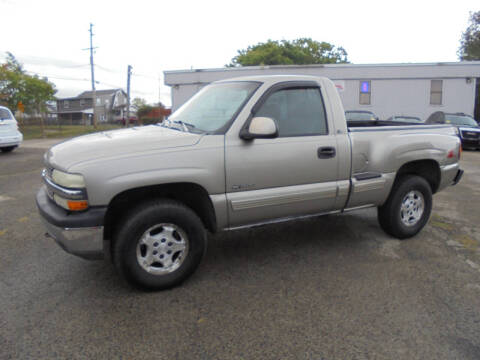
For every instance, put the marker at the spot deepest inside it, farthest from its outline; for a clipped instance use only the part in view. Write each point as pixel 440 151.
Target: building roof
pixel 347 65
pixel 333 71
pixel 89 94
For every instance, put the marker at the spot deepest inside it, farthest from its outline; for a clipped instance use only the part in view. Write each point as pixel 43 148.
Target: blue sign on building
pixel 365 87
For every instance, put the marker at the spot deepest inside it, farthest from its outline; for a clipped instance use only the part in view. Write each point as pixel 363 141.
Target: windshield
pixel 359 115
pixel 5 114
pixel 460 120
pixel 215 105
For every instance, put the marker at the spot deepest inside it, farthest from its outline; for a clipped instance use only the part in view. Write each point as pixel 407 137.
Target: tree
pixel 303 51
pixel 470 42
pixel 143 111
pixel 11 82
pixel 17 86
pixel 137 103
pixel 151 114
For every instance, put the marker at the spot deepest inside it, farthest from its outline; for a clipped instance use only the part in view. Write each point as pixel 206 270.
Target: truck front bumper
pixel 80 234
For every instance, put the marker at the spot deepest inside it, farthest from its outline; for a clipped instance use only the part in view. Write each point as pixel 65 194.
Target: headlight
pixel 68 180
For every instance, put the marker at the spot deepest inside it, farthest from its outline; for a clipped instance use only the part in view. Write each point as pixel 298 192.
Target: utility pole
pixel 159 90
pixel 129 73
pixel 93 78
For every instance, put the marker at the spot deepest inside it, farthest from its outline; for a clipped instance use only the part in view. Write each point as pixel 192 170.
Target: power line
pixel 106 69
pixel 113 85
pixel 146 76
pixel 119 72
pixel 41 61
pixel 56 76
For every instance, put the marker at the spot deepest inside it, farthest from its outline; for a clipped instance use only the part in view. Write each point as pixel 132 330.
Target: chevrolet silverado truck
pixel 240 153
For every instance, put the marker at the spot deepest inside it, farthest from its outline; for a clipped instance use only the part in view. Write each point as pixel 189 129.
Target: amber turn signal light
pixel 77 205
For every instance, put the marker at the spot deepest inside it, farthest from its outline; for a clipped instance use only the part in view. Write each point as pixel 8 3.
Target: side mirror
pixel 260 128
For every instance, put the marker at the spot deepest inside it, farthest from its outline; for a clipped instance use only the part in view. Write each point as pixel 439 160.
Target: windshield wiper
pixel 165 123
pixel 184 124
pixel 185 128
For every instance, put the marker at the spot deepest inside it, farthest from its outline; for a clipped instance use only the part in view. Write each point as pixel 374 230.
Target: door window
pixel 297 111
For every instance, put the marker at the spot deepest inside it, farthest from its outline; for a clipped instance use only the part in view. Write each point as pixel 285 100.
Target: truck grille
pixel 470 134
pixel 47 173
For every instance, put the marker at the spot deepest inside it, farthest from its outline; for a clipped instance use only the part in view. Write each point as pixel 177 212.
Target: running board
pixel 290 218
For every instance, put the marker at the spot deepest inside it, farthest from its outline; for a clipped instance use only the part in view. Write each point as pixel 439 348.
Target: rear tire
pixel 7 149
pixel 408 207
pixel 160 244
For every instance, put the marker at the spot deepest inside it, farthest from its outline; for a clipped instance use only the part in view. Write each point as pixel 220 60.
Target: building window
pixel 82 102
pixel 436 92
pixel 365 92
pixel 66 104
pixel 99 101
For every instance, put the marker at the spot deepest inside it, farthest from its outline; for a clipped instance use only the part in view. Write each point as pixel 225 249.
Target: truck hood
pixel 468 128
pixel 117 143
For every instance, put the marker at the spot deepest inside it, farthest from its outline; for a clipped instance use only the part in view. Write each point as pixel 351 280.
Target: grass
pixel 65 131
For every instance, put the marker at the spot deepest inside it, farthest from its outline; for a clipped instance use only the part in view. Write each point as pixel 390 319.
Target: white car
pixel 10 137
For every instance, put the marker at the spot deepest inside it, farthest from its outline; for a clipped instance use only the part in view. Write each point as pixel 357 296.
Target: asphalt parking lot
pixel 335 287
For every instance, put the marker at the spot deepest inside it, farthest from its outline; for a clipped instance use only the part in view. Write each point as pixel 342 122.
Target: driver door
pixel 291 175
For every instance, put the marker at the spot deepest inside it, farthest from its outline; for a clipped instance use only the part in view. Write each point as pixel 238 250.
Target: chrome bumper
pixel 83 242
pixel 78 234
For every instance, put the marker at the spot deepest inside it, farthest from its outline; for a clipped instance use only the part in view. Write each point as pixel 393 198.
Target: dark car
pixel 468 129
pixel 405 119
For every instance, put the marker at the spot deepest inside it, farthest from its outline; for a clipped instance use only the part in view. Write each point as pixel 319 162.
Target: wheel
pixel 7 148
pixel 160 244
pixel 407 208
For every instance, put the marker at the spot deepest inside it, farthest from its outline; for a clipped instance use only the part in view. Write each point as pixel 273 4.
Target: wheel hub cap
pixel 412 208
pixel 162 249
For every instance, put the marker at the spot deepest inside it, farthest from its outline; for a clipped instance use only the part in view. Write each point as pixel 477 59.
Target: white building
pixel 385 89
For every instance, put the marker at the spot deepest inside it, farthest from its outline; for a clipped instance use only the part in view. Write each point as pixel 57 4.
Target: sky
pixel 48 37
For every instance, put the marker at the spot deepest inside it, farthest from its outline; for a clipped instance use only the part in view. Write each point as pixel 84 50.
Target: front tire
pixel 408 207
pixel 160 244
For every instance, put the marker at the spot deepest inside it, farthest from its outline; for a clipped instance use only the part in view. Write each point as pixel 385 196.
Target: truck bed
pixel 379 151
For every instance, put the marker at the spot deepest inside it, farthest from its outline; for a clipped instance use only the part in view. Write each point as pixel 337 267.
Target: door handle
pixel 326 152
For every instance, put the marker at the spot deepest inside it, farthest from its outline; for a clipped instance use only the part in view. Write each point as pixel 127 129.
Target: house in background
pixel 51 112
pixel 110 107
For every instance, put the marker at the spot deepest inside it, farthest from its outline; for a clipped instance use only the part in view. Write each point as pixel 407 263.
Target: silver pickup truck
pixel 240 153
